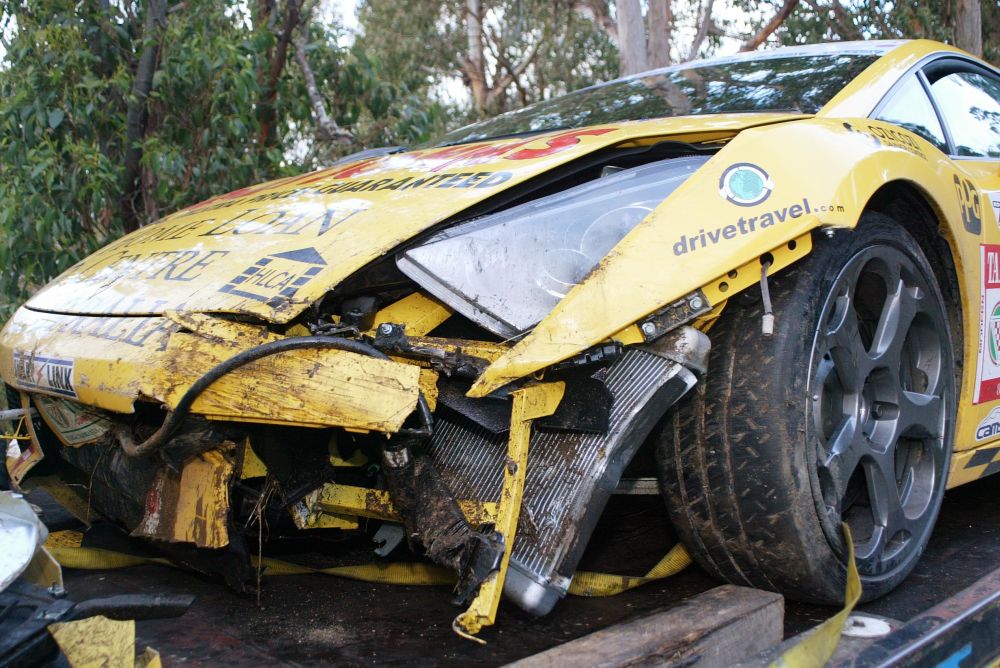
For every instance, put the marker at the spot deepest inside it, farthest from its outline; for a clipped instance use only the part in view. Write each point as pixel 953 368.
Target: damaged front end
pixel 198 428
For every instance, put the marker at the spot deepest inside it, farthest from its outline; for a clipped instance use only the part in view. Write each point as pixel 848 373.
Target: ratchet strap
pixel 68 549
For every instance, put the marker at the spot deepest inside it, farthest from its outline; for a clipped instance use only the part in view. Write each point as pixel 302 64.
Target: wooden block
pixel 717 628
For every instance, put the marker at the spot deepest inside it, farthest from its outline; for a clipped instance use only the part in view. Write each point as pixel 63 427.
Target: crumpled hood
pixel 273 249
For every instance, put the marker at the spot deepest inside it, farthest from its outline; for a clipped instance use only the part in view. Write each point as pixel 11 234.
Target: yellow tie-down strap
pixel 813 652
pixel 67 548
pixel 817 648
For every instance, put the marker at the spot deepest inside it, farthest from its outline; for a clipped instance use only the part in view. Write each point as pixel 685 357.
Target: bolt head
pixel 385 328
pixel 648 328
pixel 696 302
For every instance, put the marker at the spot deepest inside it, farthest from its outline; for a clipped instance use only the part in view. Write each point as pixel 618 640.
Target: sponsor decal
pixel 274 279
pixel 990 426
pixel 433 160
pixel 968 201
pixel 994 197
pixel 746 225
pixel 179 265
pixel 745 184
pixel 73 423
pixel 988 364
pixel 49 374
pixel 888 136
pixel 984 457
pixel 136 332
pixel 425 181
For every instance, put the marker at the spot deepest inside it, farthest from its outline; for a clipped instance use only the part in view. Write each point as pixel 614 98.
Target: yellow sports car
pixel 779 272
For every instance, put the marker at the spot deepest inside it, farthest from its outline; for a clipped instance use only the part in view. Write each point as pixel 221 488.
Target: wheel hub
pixel 880 394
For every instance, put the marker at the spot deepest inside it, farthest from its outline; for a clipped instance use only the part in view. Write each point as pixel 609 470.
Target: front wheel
pixel 845 414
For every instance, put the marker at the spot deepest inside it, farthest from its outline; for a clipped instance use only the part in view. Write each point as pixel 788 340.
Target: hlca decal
pixel 274 279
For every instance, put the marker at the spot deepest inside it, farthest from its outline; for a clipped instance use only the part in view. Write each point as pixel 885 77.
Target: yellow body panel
pixel 273 249
pixel 530 403
pixel 376 503
pixel 192 505
pixel 828 186
pixel 114 361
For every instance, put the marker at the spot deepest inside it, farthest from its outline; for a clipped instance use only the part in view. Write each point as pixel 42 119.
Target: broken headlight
pixel 506 271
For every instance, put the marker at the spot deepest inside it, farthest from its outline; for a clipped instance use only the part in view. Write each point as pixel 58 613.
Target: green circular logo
pixel 745 184
pixel 993 335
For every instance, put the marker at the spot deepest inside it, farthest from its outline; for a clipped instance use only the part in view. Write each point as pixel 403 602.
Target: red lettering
pixel 556 144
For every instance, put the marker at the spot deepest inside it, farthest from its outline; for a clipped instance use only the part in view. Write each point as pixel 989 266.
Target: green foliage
pixel 65 83
pixel 423 45
pixel 59 148
pixel 873 19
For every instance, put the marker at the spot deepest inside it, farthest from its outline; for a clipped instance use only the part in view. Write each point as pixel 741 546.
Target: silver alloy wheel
pixel 880 391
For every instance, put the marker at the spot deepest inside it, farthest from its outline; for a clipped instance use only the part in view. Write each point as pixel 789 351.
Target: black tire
pixel 747 462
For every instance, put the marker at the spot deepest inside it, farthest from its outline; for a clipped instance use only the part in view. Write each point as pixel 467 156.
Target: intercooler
pixel 570 475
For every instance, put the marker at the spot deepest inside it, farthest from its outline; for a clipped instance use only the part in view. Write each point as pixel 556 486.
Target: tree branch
pixel 770 26
pixel 152 35
pixel 598 12
pixel 326 128
pixel 843 19
pixel 703 28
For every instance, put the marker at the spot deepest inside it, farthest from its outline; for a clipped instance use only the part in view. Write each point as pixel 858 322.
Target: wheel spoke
pixel 842 457
pixel 846 348
pixel 919 415
pixel 886 505
pixel 894 321
pixel 868 554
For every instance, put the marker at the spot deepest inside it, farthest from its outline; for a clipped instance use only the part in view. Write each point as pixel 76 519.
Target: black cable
pixel 177 416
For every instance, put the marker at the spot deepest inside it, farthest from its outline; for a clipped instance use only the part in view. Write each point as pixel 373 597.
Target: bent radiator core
pixel 570 475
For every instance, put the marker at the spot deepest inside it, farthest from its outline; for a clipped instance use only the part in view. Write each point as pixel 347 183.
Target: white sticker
pixel 73 423
pixel 994 196
pixel 50 374
pixel 990 426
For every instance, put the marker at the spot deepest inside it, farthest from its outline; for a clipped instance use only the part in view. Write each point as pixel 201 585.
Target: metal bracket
pixel 531 402
pixel 673 315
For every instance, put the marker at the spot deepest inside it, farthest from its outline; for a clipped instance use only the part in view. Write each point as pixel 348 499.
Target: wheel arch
pixel 915 210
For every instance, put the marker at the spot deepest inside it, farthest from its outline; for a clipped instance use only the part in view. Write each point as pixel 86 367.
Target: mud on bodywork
pixel 209 413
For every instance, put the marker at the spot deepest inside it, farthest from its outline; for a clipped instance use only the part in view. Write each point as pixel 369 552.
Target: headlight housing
pixel 508 270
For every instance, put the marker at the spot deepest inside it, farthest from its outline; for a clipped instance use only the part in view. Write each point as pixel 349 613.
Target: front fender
pixel 823 172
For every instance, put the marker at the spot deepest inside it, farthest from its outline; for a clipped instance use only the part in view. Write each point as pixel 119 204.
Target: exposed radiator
pixel 570 475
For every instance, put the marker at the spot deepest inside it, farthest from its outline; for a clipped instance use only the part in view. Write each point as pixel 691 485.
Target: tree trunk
pixel 969 26
pixel 156 21
pixel 631 37
pixel 275 66
pixel 475 64
pixel 660 17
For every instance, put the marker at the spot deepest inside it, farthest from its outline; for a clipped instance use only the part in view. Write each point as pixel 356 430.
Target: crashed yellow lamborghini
pixel 777 272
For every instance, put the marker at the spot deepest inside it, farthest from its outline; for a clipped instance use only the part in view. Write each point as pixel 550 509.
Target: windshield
pixel 791 83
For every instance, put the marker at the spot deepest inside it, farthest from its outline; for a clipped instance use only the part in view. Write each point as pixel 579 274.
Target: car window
pixel 970 104
pixel 910 108
pixel 800 84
